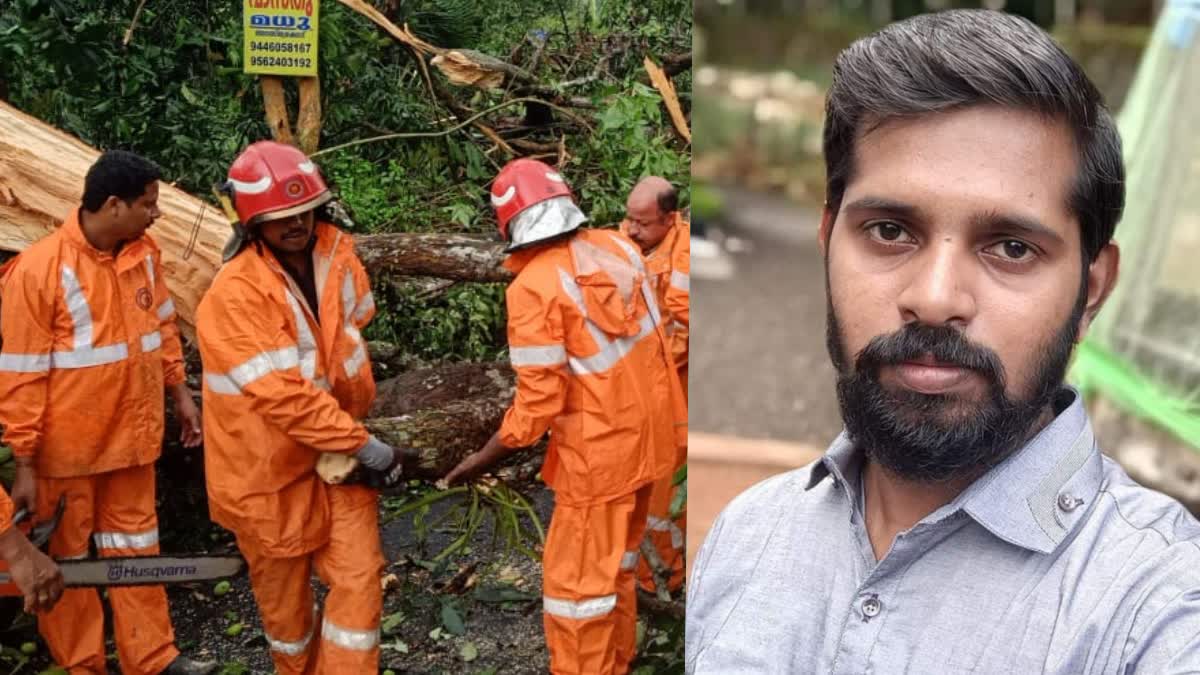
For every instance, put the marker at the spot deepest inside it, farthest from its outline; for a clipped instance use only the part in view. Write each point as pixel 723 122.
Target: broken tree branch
pixel 133 24
pixel 445 132
pixel 664 86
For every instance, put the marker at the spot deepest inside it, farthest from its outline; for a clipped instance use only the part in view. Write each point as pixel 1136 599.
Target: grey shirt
pixel 1055 561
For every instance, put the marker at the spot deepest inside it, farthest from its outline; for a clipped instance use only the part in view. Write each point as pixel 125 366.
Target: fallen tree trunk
pixel 448 256
pixel 445 413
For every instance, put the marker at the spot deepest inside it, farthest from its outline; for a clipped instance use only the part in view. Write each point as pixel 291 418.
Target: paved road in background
pixel 759 368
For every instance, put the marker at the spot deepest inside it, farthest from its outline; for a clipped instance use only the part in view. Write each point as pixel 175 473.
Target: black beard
pixel 934 437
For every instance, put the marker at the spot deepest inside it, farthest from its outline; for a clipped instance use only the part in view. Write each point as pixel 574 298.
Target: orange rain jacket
pixel 593 366
pixel 89 345
pixel 669 266
pixel 280 388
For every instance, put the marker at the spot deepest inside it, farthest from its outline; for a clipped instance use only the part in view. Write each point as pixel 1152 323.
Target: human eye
pixel 888 232
pixel 1012 251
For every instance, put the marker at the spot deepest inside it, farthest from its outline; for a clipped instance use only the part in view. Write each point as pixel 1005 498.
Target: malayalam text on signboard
pixel 280 37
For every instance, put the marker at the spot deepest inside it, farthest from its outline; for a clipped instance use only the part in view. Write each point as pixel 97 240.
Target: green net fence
pixel 1143 352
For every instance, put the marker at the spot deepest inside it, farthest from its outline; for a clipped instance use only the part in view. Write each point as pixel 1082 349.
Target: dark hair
pixel 960 58
pixel 668 200
pixel 118 173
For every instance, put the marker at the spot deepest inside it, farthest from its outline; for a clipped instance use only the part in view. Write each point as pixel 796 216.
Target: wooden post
pixel 308 122
pixel 276 107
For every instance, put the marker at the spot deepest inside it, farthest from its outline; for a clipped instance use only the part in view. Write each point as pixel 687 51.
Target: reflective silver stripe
pixel 360 640
pixel 122 540
pixel 84 354
pixel 681 281
pixel 90 356
pixel 25 363
pixel 77 305
pixel 79 556
pixel 321 383
pixel 294 648
pixel 647 292
pixel 550 355
pixel 661 525
pixel 629 560
pixel 584 609
pixel 150 269
pixel 166 309
pixel 611 351
pixel 306 343
pixel 151 341
pixel 359 357
pixel 364 306
pixel 253 369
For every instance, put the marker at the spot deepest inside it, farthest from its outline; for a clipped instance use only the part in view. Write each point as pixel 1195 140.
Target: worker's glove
pixel 390 470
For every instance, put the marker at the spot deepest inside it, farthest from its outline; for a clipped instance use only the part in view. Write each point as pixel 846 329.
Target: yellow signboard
pixel 280 37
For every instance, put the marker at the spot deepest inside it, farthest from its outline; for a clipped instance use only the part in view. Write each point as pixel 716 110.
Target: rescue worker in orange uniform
pixel 89 344
pixel 593 365
pixel 652 219
pixel 287 377
pixel 33 572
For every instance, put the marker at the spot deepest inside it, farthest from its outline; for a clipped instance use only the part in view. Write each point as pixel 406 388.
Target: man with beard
pixel 965 520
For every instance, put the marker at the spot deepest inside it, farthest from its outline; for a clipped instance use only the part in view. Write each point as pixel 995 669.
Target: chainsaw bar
pixel 145 570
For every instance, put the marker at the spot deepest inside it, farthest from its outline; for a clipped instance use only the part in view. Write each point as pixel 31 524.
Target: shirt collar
pixel 1033 499
pixel 131 253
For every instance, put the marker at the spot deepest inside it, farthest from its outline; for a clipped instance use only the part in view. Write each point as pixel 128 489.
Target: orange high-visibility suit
pixel 669 265
pixel 89 346
pixel 593 366
pixel 284 382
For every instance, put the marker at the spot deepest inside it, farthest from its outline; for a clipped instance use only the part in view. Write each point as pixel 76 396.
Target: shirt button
pixel 1068 502
pixel 871 607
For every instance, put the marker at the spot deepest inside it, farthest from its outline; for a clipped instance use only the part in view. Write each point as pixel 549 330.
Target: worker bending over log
pixel 287 377
pixel 593 364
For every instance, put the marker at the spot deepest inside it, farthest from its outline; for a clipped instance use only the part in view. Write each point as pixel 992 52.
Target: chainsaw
pixel 149 570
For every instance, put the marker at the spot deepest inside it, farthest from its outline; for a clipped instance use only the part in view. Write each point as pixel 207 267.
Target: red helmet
pixel 272 180
pixel 526 183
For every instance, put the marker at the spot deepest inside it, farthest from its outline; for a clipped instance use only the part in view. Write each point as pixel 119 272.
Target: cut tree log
pixel 444 413
pixel 42 171
pixel 448 256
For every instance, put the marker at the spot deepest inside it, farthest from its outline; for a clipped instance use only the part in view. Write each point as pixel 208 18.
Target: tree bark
pixel 308 122
pixel 445 413
pixel 448 256
pixel 275 104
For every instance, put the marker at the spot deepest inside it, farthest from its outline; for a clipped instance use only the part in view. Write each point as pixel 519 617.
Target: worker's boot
pixel 183 665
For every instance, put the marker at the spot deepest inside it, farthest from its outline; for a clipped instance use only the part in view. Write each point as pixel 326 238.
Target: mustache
pixel 944 343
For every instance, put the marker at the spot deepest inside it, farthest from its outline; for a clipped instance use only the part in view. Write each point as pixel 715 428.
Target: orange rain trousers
pixel 346 638
pixel 590 603
pixel 666 534
pixel 117 510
